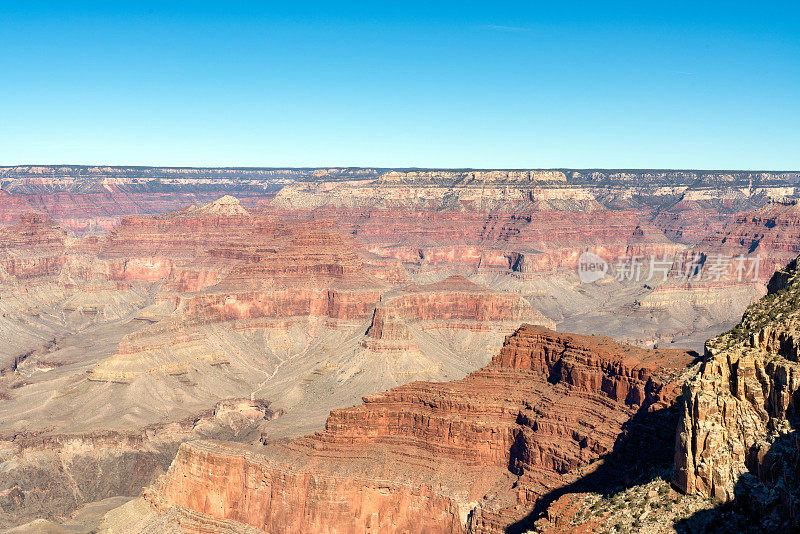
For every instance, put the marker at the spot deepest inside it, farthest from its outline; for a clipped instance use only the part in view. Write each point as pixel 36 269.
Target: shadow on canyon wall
pixel 643 451
pixel 767 497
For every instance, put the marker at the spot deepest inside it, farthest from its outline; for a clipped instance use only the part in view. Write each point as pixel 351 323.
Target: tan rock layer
pixel 740 410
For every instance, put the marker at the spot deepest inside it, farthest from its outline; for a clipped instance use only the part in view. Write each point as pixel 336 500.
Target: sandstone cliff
pixel 737 436
pixel 736 445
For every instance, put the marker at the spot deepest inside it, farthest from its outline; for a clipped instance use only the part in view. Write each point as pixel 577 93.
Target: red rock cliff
pixel 471 455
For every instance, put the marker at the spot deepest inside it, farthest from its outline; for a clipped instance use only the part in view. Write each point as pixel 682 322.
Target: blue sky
pixel 434 84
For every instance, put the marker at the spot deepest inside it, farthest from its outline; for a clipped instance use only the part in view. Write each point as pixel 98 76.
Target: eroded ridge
pixel 471 455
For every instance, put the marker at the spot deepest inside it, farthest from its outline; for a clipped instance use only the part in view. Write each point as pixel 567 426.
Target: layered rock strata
pixel 737 437
pixel 771 234
pixel 43 473
pixel 33 247
pixel 159 321
pixel 471 455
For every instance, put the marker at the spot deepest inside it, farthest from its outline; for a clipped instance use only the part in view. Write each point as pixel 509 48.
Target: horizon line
pixel 396 168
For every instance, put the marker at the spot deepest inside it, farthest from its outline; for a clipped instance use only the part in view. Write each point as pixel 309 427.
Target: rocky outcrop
pixel 224 206
pixel 51 474
pixel 684 197
pixel 716 299
pixel 221 231
pixel 736 437
pixel 452 306
pixel 457 300
pixel 471 455
pixel 318 273
pixel 388 332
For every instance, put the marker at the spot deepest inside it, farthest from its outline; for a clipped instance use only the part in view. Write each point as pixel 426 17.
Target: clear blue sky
pixel 433 84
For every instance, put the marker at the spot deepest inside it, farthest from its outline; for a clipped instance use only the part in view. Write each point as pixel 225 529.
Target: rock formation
pixel 737 436
pixel 736 445
pixel 347 283
pixel 170 315
pixel 471 455
pixel 31 248
pixel 771 233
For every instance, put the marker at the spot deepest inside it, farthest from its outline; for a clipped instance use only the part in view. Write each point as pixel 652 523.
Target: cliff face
pixel 736 437
pixel 500 190
pixel 319 273
pixel 737 450
pixel 771 233
pixel 47 472
pixel 32 248
pixel 471 455
pixel 548 241
pixel 457 300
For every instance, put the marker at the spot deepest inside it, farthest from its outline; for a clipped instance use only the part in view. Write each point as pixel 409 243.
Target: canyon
pixel 316 349
pixel 734 467
pixel 467 455
pixel 559 433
